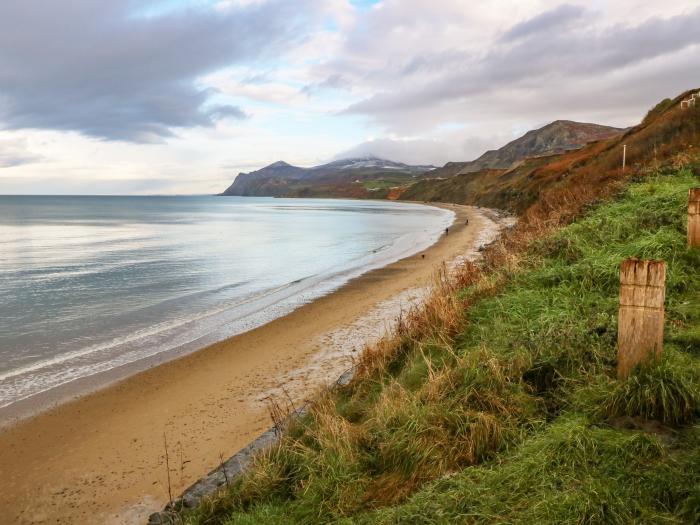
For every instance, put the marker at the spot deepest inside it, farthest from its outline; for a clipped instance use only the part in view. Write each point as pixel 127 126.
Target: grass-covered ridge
pixel 500 403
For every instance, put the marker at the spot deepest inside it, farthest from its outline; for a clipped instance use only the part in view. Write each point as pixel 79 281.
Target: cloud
pixel 434 151
pixel 412 151
pixel 433 78
pixel 110 72
pixel 334 81
pixel 555 19
pixel 248 82
pixel 14 152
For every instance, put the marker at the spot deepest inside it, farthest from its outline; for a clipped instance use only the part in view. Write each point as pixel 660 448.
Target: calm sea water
pixel 88 284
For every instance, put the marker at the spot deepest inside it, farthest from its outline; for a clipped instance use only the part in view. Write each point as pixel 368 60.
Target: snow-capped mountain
pixel 283 179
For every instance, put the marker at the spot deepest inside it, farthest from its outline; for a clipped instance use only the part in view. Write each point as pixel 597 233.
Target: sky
pixel 179 96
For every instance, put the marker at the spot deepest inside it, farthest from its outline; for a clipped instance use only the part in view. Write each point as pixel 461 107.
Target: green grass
pixel 572 471
pixel 519 417
pixel 381 184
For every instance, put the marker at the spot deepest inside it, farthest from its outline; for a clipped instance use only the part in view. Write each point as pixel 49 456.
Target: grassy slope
pixel 510 412
pixel 584 462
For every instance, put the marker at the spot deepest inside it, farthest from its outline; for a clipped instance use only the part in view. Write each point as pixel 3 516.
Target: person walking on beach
pixel 447 231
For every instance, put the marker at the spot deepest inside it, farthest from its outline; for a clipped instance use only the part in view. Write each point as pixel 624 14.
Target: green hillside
pixel 498 402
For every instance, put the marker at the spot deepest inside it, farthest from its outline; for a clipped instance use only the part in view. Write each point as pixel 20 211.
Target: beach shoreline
pixel 100 457
pixel 176 317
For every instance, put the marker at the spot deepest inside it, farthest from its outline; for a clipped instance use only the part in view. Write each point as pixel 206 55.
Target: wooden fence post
pixel 694 217
pixel 640 330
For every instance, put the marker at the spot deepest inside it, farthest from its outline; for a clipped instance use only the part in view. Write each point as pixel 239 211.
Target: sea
pixel 92 284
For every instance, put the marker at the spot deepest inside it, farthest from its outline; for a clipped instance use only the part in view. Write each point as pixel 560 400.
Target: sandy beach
pixel 100 458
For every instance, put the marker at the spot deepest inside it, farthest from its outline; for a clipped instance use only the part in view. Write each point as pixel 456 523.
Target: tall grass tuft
pixel 661 391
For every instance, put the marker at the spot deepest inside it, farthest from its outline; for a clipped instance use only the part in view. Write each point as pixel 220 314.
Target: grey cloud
pixel 15 153
pixel 222 112
pixel 334 81
pixel 530 64
pixel 556 18
pixel 434 62
pixel 100 69
pixel 256 79
pixel 408 151
pixel 436 151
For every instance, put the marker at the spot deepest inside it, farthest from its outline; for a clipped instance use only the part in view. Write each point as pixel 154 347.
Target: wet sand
pixel 100 458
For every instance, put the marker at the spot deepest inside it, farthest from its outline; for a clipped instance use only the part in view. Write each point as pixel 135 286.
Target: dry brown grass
pixel 440 317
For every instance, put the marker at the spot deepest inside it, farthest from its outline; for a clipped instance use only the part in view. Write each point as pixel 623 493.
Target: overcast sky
pixel 178 96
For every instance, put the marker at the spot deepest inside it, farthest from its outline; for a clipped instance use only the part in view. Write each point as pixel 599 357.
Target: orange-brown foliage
pixel 550 189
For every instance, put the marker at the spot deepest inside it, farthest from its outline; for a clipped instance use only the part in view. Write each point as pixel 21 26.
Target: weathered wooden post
pixel 694 217
pixel 640 331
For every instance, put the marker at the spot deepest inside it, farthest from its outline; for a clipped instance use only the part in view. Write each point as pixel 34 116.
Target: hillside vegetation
pixel 511 411
pixel 666 131
pixel 556 137
pixel 498 401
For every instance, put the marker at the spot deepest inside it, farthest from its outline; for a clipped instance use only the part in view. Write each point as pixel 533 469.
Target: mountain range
pixel 372 177
pixel 356 177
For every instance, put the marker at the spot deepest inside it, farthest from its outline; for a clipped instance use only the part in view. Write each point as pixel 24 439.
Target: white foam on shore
pixel 199 329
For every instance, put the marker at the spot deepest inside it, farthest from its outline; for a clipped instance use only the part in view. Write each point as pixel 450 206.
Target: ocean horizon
pixel 93 283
